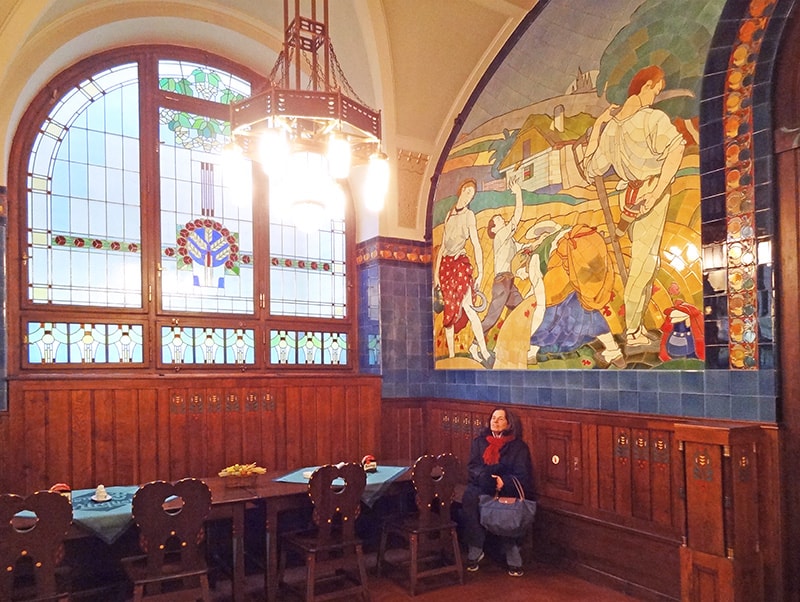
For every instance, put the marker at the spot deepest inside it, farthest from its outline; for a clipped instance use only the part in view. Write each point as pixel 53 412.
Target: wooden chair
pixel 333 554
pixel 170 520
pixel 32 548
pixel 430 533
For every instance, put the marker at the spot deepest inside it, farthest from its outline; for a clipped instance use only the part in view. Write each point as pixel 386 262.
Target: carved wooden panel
pixel 132 431
pixel 557 459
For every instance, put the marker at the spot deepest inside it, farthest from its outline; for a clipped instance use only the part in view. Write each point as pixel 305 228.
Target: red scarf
pixel 491 455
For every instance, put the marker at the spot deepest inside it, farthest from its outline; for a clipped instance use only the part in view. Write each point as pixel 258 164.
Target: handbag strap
pixel 518 485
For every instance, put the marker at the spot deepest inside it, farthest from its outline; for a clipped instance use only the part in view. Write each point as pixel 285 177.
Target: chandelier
pixel 308 126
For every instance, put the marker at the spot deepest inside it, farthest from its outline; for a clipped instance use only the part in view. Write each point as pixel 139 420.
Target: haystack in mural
pixel 567 232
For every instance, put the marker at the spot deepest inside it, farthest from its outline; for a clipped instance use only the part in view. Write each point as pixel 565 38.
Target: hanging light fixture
pixel 308 126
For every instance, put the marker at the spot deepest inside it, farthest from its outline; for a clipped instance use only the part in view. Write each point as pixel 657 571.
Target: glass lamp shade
pixel 273 149
pixel 339 156
pixel 376 183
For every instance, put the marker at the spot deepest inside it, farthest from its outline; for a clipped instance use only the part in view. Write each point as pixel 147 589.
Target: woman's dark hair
pixel 514 425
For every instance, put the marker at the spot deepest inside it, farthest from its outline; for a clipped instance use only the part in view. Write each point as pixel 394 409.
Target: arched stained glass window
pixel 155 249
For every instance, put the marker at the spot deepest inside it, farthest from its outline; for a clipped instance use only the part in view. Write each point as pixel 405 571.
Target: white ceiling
pixel 416 60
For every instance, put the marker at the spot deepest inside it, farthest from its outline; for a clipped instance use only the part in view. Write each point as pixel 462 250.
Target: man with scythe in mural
pixel 645 149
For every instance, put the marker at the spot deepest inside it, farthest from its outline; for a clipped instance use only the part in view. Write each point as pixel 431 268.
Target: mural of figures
pixel 576 210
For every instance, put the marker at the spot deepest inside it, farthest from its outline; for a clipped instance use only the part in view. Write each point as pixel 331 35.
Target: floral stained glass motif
pixel 309 348
pixel 77 343
pixel 206 224
pixel 199 345
pixel 200 81
pixel 83 196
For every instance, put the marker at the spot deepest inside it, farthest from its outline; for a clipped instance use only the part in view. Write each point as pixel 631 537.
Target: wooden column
pixel 720 556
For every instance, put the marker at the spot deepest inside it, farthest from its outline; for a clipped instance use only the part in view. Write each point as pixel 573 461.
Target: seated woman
pixel 497 454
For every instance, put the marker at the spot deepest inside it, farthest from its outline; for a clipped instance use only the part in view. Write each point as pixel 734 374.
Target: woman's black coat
pixel 515 460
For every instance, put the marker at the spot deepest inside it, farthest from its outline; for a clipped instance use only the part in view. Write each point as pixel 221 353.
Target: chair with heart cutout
pixel 32 532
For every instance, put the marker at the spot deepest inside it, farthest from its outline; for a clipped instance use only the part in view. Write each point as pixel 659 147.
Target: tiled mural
pixel 567 230
pixel 723 389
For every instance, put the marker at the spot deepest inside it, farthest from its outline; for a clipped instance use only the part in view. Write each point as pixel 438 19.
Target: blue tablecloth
pixel 377 482
pixel 108 520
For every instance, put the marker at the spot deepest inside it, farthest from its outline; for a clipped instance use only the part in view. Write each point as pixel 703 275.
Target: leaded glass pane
pixel 308 348
pixel 200 345
pixel 307 271
pixel 76 343
pixel 206 219
pixel 79 252
pixel 199 81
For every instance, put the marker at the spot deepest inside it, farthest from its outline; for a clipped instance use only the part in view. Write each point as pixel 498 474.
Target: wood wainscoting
pixel 612 490
pixel 133 430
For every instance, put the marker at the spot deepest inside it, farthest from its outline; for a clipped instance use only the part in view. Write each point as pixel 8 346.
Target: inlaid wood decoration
pixel 566 217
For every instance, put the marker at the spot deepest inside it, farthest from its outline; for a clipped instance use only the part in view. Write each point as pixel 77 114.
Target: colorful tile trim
pixel 742 256
pixel 393 249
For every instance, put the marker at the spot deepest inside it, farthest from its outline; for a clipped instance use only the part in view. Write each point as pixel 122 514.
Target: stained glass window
pixel 84 232
pixel 159 251
pixel 76 343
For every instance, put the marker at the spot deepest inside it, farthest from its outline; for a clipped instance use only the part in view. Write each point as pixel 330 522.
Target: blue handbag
pixel 507 516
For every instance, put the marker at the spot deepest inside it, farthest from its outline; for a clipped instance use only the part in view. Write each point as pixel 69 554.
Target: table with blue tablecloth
pixel 377 481
pixel 107 520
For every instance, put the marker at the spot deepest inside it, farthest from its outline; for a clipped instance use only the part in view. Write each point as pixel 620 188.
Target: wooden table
pixel 230 498
pixel 279 497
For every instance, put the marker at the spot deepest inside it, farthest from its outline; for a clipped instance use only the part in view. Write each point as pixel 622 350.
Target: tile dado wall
pixel 402 290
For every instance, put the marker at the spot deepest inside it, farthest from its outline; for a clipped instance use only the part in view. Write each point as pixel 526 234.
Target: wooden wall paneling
pixel 558 457
pixel 438 430
pixel 641 467
pixel 126 440
pixel 195 432
pixel 178 433
pixel 161 436
pixel 321 451
pixel 82 465
pixel 371 397
pixel 252 437
pixel 7 466
pixel 622 471
pixel 662 495
pixel 704 493
pixel 341 409
pixel 59 438
pixel 146 436
pixel 300 412
pixel 280 429
pixel 34 440
pixel 103 436
pixel 232 425
pixel 771 527
pixel 602 449
pixel 215 431
pixel 705 577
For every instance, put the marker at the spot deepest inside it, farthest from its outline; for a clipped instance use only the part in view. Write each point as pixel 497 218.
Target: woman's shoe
pixel 474 565
pixel 515 571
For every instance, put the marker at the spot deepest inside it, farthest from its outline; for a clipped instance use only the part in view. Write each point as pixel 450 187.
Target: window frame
pixel 151 314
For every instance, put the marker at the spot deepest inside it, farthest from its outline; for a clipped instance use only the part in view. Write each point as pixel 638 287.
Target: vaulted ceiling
pixel 416 60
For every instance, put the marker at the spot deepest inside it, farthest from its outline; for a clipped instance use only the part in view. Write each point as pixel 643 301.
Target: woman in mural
pixel 452 272
pixel 572 274
pixel 645 149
